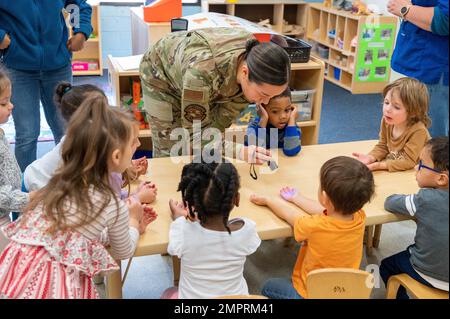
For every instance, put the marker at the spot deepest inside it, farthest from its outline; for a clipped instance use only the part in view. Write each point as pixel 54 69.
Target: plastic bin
pixel 304 101
pixel 337 73
pixel 324 52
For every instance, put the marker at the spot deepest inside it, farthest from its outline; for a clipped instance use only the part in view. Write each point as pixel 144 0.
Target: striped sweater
pixel 288 138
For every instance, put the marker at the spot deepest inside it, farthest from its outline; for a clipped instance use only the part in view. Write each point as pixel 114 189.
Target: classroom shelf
pixel 346 64
pixel 304 76
pixel 92 47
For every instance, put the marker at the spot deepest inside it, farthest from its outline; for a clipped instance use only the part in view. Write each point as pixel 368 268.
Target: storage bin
pixel 324 51
pixel 337 73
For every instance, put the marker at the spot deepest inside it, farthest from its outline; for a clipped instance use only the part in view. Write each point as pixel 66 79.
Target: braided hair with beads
pixel 209 189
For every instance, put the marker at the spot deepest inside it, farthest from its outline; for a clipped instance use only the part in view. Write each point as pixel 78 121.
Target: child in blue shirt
pixel 279 114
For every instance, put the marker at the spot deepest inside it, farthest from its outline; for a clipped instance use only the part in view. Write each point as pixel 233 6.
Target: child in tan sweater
pixel 403 130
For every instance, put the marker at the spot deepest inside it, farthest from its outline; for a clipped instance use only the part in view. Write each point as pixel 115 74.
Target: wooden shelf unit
pixel 93 46
pixel 347 26
pixel 293 11
pixel 304 76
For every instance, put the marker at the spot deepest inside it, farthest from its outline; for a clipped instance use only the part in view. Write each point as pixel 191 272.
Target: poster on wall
pixel 376 44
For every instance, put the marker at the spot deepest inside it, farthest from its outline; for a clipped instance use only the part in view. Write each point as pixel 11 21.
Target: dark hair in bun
pixel 68 97
pixel 267 63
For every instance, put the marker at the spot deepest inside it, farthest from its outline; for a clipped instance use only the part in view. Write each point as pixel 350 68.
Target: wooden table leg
pixel 377 235
pixel 114 284
pixel 176 262
pixel 369 242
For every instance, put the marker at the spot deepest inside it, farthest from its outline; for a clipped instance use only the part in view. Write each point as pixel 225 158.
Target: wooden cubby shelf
pixel 333 33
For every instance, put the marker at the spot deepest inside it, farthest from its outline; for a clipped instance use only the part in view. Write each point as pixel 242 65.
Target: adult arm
pixel 85 12
pixel 432 19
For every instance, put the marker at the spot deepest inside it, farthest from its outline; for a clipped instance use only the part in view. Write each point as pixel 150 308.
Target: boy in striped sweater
pixel 276 125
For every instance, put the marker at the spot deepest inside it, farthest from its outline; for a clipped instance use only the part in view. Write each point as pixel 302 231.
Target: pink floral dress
pixel 37 265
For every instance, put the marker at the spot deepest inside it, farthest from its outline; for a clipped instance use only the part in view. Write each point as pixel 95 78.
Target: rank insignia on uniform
pixel 192 95
pixel 194 112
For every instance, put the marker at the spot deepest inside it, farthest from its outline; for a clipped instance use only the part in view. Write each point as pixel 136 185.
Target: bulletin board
pixel 375 47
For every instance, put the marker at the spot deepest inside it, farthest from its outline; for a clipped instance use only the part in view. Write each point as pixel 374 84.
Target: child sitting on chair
pixel 212 247
pixel 427 259
pixel 333 229
pixel 403 130
pixel 278 115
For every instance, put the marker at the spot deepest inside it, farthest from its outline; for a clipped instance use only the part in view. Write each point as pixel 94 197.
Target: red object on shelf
pixel 162 11
pixel 262 37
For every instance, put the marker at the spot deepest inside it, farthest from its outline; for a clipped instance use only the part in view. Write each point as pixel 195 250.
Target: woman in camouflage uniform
pixel 210 76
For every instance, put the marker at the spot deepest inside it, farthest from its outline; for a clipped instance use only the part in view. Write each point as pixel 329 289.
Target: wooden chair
pixel 413 287
pixel 242 297
pixel 339 283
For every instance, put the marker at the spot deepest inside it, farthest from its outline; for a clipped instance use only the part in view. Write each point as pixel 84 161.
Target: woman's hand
pixel 255 154
pixel 293 116
pixel 177 209
pixel 364 158
pixel 394 6
pixel 76 42
pixel 258 199
pixel 5 43
pixel 377 166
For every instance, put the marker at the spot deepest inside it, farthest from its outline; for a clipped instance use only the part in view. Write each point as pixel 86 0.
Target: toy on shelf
pixel 360 8
pixel 342 5
pixel 327 3
pixel 332 33
pixel 354 42
pixel 340 43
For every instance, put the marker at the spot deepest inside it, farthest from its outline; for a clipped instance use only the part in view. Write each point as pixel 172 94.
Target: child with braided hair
pixel 212 248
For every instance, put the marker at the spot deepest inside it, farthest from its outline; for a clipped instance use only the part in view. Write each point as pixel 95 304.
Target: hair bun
pixel 251 44
pixel 61 89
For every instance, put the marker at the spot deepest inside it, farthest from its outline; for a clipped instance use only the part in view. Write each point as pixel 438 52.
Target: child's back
pixel 212 250
pixel 212 261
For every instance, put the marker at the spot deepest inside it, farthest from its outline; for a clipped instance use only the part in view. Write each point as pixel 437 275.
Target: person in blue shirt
pixel 36 50
pixel 276 125
pixel 421 52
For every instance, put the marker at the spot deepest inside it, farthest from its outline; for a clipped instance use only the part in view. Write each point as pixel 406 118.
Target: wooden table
pixel 301 171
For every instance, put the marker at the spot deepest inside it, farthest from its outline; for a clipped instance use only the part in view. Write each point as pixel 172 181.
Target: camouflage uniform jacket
pixel 191 75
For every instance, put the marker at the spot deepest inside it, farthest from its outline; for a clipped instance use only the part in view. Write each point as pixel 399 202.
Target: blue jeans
pixel 438 108
pixel 280 288
pixel 400 264
pixel 28 89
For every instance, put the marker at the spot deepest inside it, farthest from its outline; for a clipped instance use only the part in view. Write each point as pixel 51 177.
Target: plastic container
pixel 337 73
pixel 324 52
pixel 304 101
pixel 298 50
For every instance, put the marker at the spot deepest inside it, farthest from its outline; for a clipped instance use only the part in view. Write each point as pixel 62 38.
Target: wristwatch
pixel 404 11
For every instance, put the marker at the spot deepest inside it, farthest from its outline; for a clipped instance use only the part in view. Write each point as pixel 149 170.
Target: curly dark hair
pixel 209 189
pixel 439 152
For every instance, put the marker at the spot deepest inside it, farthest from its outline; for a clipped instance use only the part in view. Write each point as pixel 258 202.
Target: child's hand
pixel 364 158
pixel 135 211
pixel 5 43
pixel 140 166
pixel 263 115
pixel 148 217
pixel 288 193
pixel 177 209
pixel 377 166
pixel 147 192
pixel 293 116
pixel 258 199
